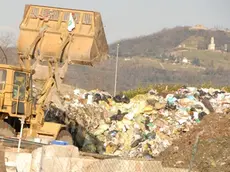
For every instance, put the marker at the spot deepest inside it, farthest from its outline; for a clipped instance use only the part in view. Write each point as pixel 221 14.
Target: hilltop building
pixel 198 27
pixel 185 60
pixel 212 45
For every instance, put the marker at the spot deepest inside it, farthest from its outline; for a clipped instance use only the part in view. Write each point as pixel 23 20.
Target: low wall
pixel 67 159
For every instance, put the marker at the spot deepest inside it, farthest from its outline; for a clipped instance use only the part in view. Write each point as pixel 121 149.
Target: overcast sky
pixel 130 18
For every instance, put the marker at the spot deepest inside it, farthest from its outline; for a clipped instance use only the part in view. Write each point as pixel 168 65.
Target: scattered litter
pixel 145 125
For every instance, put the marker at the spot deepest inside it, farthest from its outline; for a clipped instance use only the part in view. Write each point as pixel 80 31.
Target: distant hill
pixel 164 41
pixel 143 72
pixel 142 69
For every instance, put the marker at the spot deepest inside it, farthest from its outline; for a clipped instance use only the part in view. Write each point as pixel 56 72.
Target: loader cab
pixel 15 91
pixel 19 85
pixel 19 92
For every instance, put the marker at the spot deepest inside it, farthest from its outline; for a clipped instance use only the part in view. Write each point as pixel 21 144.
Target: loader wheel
pixel 64 135
pixel 6 130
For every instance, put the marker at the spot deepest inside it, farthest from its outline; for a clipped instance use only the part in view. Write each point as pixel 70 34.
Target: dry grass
pixel 207 57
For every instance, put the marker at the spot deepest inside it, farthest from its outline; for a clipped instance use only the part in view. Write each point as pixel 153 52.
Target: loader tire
pixel 6 130
pixel 65 136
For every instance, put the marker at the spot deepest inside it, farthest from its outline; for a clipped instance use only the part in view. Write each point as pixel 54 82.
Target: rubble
pixel 143 126
pixel 215 138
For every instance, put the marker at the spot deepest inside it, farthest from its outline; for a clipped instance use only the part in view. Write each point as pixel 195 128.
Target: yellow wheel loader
pixel 59 37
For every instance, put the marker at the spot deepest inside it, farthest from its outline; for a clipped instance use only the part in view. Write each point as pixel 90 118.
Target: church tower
pixel 212 45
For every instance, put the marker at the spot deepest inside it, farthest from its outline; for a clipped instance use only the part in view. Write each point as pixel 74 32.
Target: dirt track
pixel 213 153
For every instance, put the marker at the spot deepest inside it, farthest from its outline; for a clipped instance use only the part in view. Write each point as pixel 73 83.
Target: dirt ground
pixel 213 150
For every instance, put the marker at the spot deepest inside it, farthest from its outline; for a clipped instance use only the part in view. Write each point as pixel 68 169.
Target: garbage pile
pixel 143 126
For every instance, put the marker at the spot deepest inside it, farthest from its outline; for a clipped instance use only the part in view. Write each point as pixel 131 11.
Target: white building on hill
pixel 185 60
pixel 212 45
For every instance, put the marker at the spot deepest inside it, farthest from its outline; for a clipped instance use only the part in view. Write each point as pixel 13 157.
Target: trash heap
pixel 143 126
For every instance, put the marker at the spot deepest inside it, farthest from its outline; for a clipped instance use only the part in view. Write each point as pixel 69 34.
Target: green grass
pixel 167 88
pixel 158 87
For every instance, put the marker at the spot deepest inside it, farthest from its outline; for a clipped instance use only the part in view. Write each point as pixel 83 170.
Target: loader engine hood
pixel 63 34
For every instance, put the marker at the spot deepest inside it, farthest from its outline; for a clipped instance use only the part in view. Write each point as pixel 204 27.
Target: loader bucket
pixel 47 33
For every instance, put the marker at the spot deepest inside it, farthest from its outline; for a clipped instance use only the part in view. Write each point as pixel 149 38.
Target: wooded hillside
pixel 146 66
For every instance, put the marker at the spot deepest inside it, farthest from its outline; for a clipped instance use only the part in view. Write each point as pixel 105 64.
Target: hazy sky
pixel 129 18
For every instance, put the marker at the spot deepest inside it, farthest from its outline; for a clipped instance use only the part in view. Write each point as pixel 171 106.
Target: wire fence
pixel 57 159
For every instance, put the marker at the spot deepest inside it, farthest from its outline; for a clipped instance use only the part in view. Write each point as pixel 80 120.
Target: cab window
pixel 19 87
pixel 2 79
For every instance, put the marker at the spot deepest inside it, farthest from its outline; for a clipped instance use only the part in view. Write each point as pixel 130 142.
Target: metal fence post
pixel 115 82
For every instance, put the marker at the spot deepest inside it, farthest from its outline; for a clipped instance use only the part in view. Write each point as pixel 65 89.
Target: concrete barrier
pixel 67 159
pixel 2 160
pixel 19 161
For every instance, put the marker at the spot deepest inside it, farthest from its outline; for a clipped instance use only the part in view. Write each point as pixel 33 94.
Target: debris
pixel 148 122
pixel 213 148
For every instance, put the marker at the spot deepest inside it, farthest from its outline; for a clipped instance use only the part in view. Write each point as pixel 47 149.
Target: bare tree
pixel 7 41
